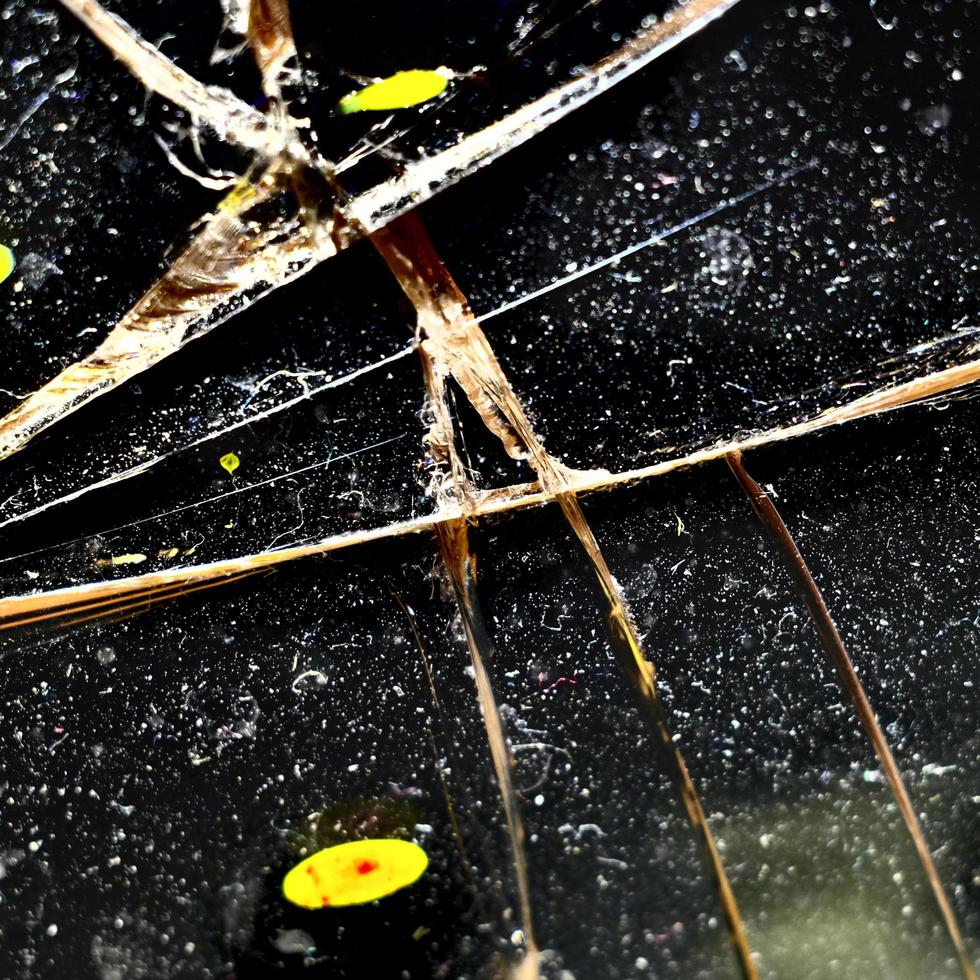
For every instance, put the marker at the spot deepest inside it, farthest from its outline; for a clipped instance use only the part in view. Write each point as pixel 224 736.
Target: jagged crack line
pixel 222 111
pixel 411 258
pixel 14 606
pixel 628 649
pixel 119 602
pixel 454 545
pixel 457 345
pixel 371 210
pixel 170 314
pixel 422 180
pixel 442 748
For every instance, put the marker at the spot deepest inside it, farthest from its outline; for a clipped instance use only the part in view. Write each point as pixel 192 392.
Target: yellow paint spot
pixel 354 873
pixel 398 91
pixel 230 462
pixel 6 262
pixel 134 559
pixel 237 197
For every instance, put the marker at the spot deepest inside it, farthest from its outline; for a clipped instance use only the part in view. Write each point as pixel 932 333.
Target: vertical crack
pixel 270 37
pixel 452 343
pixel 641 674
pixel 831 641
pixel 461 564
pixel 450 484
pixel 442 749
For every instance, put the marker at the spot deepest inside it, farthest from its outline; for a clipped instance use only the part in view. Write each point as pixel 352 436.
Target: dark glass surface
pixel 165 763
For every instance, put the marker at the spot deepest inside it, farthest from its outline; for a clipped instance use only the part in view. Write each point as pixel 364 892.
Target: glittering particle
pixel 398 91
pixel 354 873
pixel 35 270
pixel 230 462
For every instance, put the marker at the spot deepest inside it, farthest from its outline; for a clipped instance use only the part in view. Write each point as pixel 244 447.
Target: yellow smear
pixel 354 873
pixel 6 262
pixel 398 91
pixel 230 462
pixel 134 559
pixel 239 195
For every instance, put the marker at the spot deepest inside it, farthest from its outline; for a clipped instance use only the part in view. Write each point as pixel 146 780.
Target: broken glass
pixel 479 577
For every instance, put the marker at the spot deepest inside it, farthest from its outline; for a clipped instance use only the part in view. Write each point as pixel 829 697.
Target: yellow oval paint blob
pixel 6 262
pixel 230 462
pixel 354 873
pixel 398 91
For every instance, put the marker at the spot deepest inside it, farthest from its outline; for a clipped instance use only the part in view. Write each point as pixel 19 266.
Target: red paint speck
pixel 366 867
pixel 561 680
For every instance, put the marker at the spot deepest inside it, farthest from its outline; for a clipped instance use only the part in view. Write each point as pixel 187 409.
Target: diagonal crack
pixel 460 562
pixel 488 503
pixel 213 287
pixel 831 641
pixel 210 105
pixel 257 416
pixel 399 244
pixel 230 260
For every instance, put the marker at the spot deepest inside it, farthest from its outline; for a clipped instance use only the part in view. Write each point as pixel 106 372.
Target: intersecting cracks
pixel 236 254
pixel 931 383
pixel 502 500
pixel 453 344
pixel 243 249
pixel 242 252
